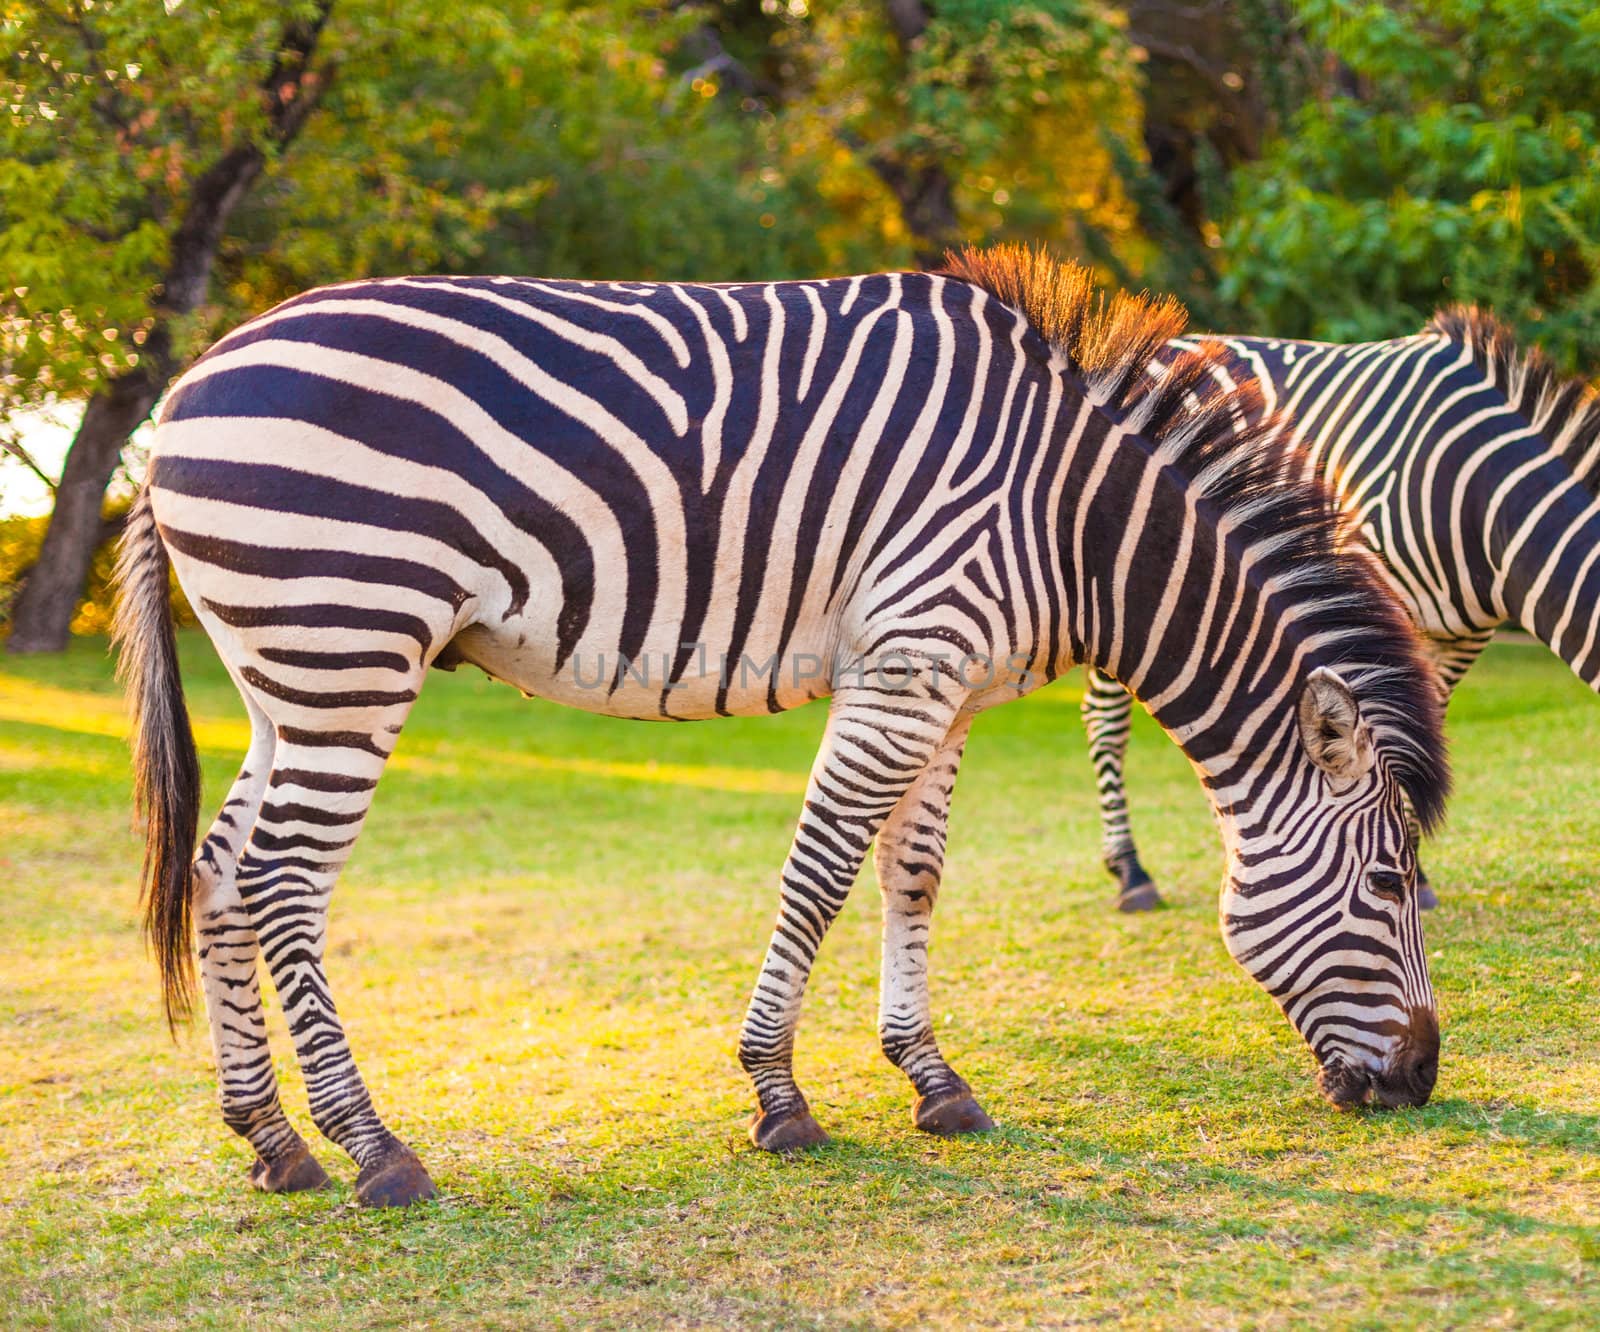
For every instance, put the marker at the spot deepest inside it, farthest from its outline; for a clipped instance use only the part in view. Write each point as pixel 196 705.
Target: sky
pixel 47 435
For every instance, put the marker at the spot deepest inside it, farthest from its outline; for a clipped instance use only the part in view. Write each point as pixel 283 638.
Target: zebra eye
pixel 1387 883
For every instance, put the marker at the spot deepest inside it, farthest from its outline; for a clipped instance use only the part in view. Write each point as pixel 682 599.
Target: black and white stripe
pixel 904 492
pixel 1470 469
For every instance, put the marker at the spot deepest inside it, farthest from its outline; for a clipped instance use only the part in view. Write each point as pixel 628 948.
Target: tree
pixel 979 119
pixel 104 164
pixel 1219 77
pixel 163 176
pixel 1452 153
pixel 906 127
pixel 656 151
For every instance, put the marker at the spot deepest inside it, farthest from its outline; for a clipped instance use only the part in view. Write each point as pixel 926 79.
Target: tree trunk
pixel 927 206
pixel 42 618
pixel 50 595
pixel 921 186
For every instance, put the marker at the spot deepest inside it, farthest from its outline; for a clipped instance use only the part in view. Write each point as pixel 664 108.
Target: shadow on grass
pixel 1073 1185
pixel 1088 1181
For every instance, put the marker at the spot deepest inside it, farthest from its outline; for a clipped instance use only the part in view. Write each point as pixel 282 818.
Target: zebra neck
pixel 1172 603
pixel 1544 533
pixel 1477 514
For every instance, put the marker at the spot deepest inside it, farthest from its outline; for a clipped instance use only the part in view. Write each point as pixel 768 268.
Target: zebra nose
pixel 1424 1056
pixel 1411 1082
pixel 1424 1072
pixel 1415 1070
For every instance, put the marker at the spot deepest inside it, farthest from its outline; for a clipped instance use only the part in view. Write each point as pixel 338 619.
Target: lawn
pixel 542 950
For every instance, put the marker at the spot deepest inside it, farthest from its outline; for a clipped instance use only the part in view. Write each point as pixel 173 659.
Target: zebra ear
pixel 1331 729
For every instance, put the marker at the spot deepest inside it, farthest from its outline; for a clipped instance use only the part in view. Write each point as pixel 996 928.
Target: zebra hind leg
pixel 321 785
pixel 246 1083
pixel 909 857
pixel 876 743
pixel 1107 714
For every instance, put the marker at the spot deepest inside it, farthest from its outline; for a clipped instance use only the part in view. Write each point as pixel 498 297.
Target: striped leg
pixel 247 1085
pixel 1454 658
pixel 876 744
pixel 317 798
pixel 1107 713
pixel 909 856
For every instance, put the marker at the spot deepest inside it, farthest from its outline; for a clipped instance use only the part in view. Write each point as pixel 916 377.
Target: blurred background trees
pixel 1450 156
pixel 1314 168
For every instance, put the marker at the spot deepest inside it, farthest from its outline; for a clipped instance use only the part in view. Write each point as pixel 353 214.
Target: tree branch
pixel 1191 59
pixel 292 89
pixel 42 615
pixel 291 86
pixel 14 447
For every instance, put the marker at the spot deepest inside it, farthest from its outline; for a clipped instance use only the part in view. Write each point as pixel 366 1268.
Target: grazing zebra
pixel 1471 469
pixel 918 494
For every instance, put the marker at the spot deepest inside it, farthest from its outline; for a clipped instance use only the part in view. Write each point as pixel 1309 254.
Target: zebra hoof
pixel 1140 897
pixel 794 1131
pixel 296 1172
pixel 951 1113
pixel 395 1179
pixel 1427 899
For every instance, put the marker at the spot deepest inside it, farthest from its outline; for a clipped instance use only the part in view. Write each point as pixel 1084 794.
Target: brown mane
pixel 1099 336
pixel 1562 408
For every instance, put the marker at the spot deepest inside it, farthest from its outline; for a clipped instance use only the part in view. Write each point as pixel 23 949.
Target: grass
pixel 542 950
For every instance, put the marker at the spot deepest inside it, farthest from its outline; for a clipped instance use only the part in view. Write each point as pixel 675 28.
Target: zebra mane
pixel 1109 342
pixel 1260 488
pixel 1562 408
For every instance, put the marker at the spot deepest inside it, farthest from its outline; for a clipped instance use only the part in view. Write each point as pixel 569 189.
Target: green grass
pixel 542 950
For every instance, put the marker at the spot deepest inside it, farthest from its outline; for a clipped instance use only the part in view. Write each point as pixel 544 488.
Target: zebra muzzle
pixel 1406 1078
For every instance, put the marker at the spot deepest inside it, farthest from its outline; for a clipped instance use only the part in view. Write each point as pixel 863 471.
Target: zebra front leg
pixel 246 1083
pixel 1107 713
pixel 876 744
pixel 316 802
pixel 909 857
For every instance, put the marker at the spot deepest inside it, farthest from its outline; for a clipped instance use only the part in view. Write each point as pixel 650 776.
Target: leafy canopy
pixel 1460 162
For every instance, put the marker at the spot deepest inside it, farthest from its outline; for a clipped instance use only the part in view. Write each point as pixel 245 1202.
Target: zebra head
pixel 1319 905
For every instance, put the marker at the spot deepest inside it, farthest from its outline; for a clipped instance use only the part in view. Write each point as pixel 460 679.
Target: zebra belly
pixel 662 681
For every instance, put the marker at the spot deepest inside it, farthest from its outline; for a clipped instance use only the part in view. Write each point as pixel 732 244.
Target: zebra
pixel 934 492
pixel 1469 467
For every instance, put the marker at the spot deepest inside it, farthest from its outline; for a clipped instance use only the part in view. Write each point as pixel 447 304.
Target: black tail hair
pixel 165 765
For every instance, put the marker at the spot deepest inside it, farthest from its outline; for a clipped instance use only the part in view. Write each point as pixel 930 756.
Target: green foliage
pixel 983 73
pixel 1013 100
pixel 637 167
pixel 549 139
pixel 360 194
pixel 1463 165
pixel 111 110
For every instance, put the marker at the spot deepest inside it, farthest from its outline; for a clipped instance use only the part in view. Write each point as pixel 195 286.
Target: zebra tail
pixel 166 767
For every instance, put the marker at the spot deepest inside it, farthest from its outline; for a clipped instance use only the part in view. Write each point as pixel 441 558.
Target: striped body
pixel 762 523
pixel 677 502
pixel 1472 473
